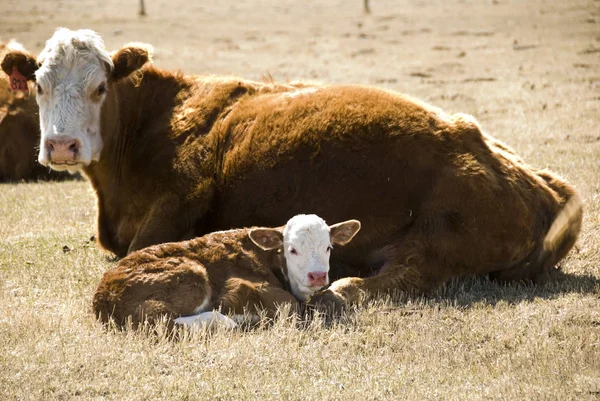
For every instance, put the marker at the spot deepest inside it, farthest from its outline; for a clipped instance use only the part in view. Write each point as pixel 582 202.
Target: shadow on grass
pixel 460 293
pixel 466 292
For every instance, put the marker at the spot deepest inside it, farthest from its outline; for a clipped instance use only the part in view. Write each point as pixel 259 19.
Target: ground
pixel 529 71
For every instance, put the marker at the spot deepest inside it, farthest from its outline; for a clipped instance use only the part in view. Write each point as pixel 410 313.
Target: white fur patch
pixel 205 305
pixel 300 92
pixel 206 320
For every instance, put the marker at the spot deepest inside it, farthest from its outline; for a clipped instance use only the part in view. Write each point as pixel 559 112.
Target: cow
pixel 172 156
pixel 19 132
pixel 238 272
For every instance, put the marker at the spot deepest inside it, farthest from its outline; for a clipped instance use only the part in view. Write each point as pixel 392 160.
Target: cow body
pixel 437 197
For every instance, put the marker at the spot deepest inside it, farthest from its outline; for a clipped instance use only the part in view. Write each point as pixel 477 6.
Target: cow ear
pixel 342 233
pixel 130 58
pixel 266 238
pixel 23 62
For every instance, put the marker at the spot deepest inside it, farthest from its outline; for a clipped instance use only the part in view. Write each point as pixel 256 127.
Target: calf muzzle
pixel 317 279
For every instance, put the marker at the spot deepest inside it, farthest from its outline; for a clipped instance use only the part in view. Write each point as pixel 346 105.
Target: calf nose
pixel 317 279
pixel 63 149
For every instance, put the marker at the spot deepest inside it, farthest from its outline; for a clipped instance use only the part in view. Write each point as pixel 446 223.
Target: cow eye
pixel 101 89
pixel 293 251
pixel 329 248
pixel 39 89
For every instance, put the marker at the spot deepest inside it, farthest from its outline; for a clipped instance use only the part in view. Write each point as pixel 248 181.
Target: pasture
pixel 529 71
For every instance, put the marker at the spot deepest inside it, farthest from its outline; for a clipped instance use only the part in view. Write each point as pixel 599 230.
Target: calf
pixel 236 271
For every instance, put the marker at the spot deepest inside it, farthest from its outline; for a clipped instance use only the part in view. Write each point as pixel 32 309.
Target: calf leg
pixel 245 296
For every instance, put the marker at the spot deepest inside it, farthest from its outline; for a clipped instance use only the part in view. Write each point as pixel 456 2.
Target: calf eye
pixel 329 248
pixel 39 89
pixel 293 251
pixel 101 89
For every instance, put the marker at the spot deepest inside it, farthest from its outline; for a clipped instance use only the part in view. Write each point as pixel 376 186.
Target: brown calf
pixel 236 271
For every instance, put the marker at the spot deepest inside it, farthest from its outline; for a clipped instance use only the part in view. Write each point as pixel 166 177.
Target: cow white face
pixel 72 82
pixel 73 73
pixel 307 242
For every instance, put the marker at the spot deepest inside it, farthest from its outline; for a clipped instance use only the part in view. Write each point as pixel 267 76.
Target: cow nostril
pixel 73 147
pixel 317 277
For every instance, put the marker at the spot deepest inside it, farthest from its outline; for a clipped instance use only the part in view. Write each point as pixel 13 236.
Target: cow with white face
pixel 179 156
pixel 73 78
pixel 70 93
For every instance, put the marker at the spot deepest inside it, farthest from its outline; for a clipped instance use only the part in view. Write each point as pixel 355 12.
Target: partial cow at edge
pixel 19 132
pixel 172 156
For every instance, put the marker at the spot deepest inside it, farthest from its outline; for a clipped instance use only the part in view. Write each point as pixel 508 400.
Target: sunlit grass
pixel 473 339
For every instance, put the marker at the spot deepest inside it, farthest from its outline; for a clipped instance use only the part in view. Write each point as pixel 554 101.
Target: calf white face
pixel 72 82
pixel 307 242
pixel 306 247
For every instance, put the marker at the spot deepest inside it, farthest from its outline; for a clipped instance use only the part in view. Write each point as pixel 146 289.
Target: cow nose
pixel 63 149
pixel 317 279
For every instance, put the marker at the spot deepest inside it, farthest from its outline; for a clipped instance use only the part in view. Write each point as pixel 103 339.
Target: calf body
pixel 182 156
pixel 224 270
pixel 237 272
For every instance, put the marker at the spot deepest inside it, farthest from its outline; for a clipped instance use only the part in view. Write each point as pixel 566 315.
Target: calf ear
pixel 266 238
pixel 342 233
pixel 130 58
pixel 23 62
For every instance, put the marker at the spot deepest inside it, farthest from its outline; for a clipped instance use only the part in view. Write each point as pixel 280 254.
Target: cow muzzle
pixel 63 150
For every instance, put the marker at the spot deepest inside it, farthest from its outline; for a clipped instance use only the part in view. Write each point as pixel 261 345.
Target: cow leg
pixel 168 220
pixel 531 273
pixel 350 290
pixel 411 268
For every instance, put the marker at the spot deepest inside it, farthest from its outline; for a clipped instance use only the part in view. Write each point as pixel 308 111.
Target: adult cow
pixel 172 156
pixel 19 132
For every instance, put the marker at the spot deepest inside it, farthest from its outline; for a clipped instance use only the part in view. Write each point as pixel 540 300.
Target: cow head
pixel 74 75
pixel 307 242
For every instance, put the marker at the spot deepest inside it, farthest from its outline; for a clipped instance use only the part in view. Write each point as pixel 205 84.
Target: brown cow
pixel 237 271
pixel 19 132
pixel 171 156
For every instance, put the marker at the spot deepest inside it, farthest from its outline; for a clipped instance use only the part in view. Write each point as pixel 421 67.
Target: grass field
pixel 528 70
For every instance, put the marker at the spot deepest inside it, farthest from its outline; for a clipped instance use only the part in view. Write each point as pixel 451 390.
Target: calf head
pixel 306 242
pixel 74 73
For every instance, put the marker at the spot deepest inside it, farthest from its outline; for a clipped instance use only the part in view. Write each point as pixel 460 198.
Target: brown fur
pixel 19 132
pixel 437 198
pixel 173 279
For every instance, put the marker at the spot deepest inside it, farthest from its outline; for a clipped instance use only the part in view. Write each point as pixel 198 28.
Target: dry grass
pixel 474 339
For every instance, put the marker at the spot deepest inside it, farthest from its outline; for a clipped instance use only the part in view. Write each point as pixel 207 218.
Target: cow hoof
pixel 327 302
